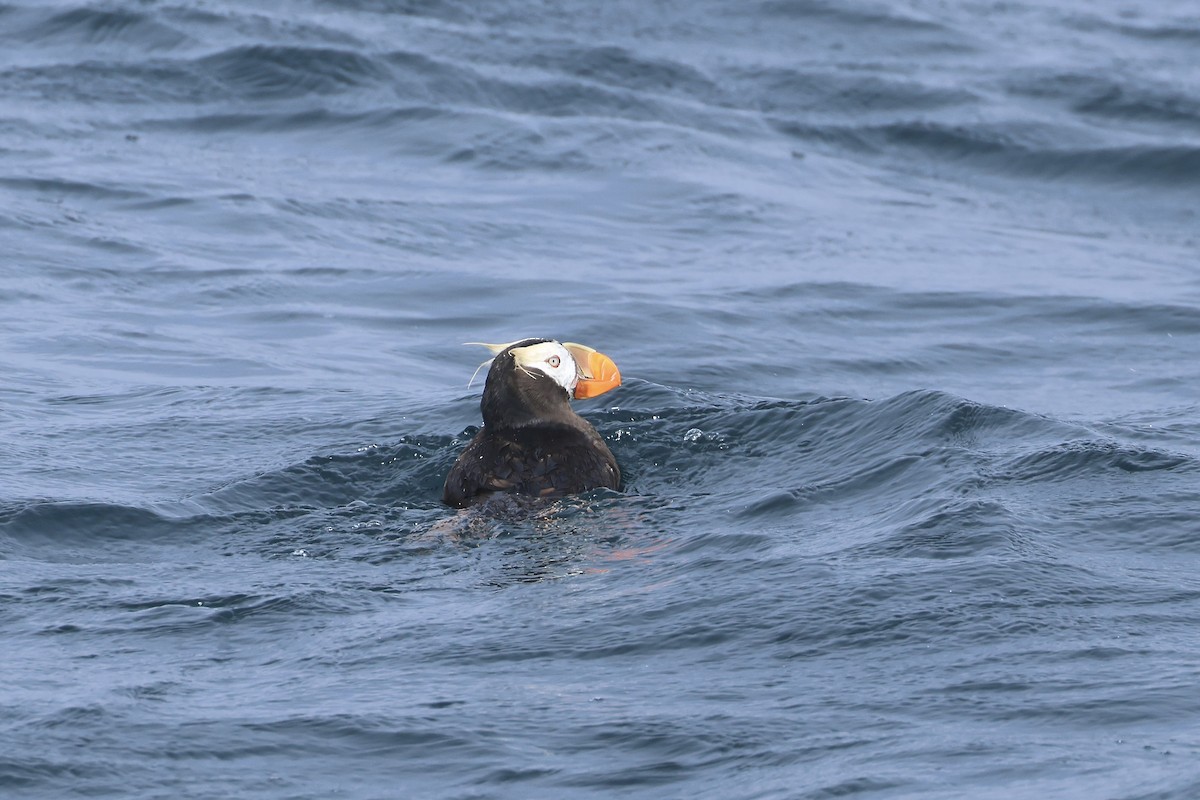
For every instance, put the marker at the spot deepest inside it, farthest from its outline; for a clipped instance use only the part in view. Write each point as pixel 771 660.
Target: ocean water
pixel 907 298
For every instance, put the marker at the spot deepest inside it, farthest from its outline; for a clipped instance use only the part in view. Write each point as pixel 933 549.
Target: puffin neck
pixel 513 399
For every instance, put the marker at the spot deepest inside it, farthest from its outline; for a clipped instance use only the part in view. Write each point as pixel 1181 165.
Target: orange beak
pixel 597 372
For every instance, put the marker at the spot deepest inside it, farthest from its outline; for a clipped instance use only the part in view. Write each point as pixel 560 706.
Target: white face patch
pixel 551 360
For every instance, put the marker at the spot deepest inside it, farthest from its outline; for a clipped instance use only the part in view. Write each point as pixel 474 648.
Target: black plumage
pixel 531 441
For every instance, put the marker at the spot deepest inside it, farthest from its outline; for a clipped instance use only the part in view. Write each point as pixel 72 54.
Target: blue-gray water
pixel 907 298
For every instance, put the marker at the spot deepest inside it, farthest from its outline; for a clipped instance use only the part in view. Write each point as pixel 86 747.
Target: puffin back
pixel 547 461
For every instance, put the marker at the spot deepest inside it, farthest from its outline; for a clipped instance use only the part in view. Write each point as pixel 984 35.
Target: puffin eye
pixel 554 361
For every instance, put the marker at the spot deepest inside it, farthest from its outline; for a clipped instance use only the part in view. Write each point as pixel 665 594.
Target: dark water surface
pixel 907 296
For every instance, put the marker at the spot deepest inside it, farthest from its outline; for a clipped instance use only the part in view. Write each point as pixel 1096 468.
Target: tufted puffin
pixel 531 441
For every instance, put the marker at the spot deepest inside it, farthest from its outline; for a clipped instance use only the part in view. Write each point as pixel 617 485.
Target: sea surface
pixel 906 294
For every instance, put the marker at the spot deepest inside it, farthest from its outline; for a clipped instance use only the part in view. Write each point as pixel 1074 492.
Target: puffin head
pixel 533 380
